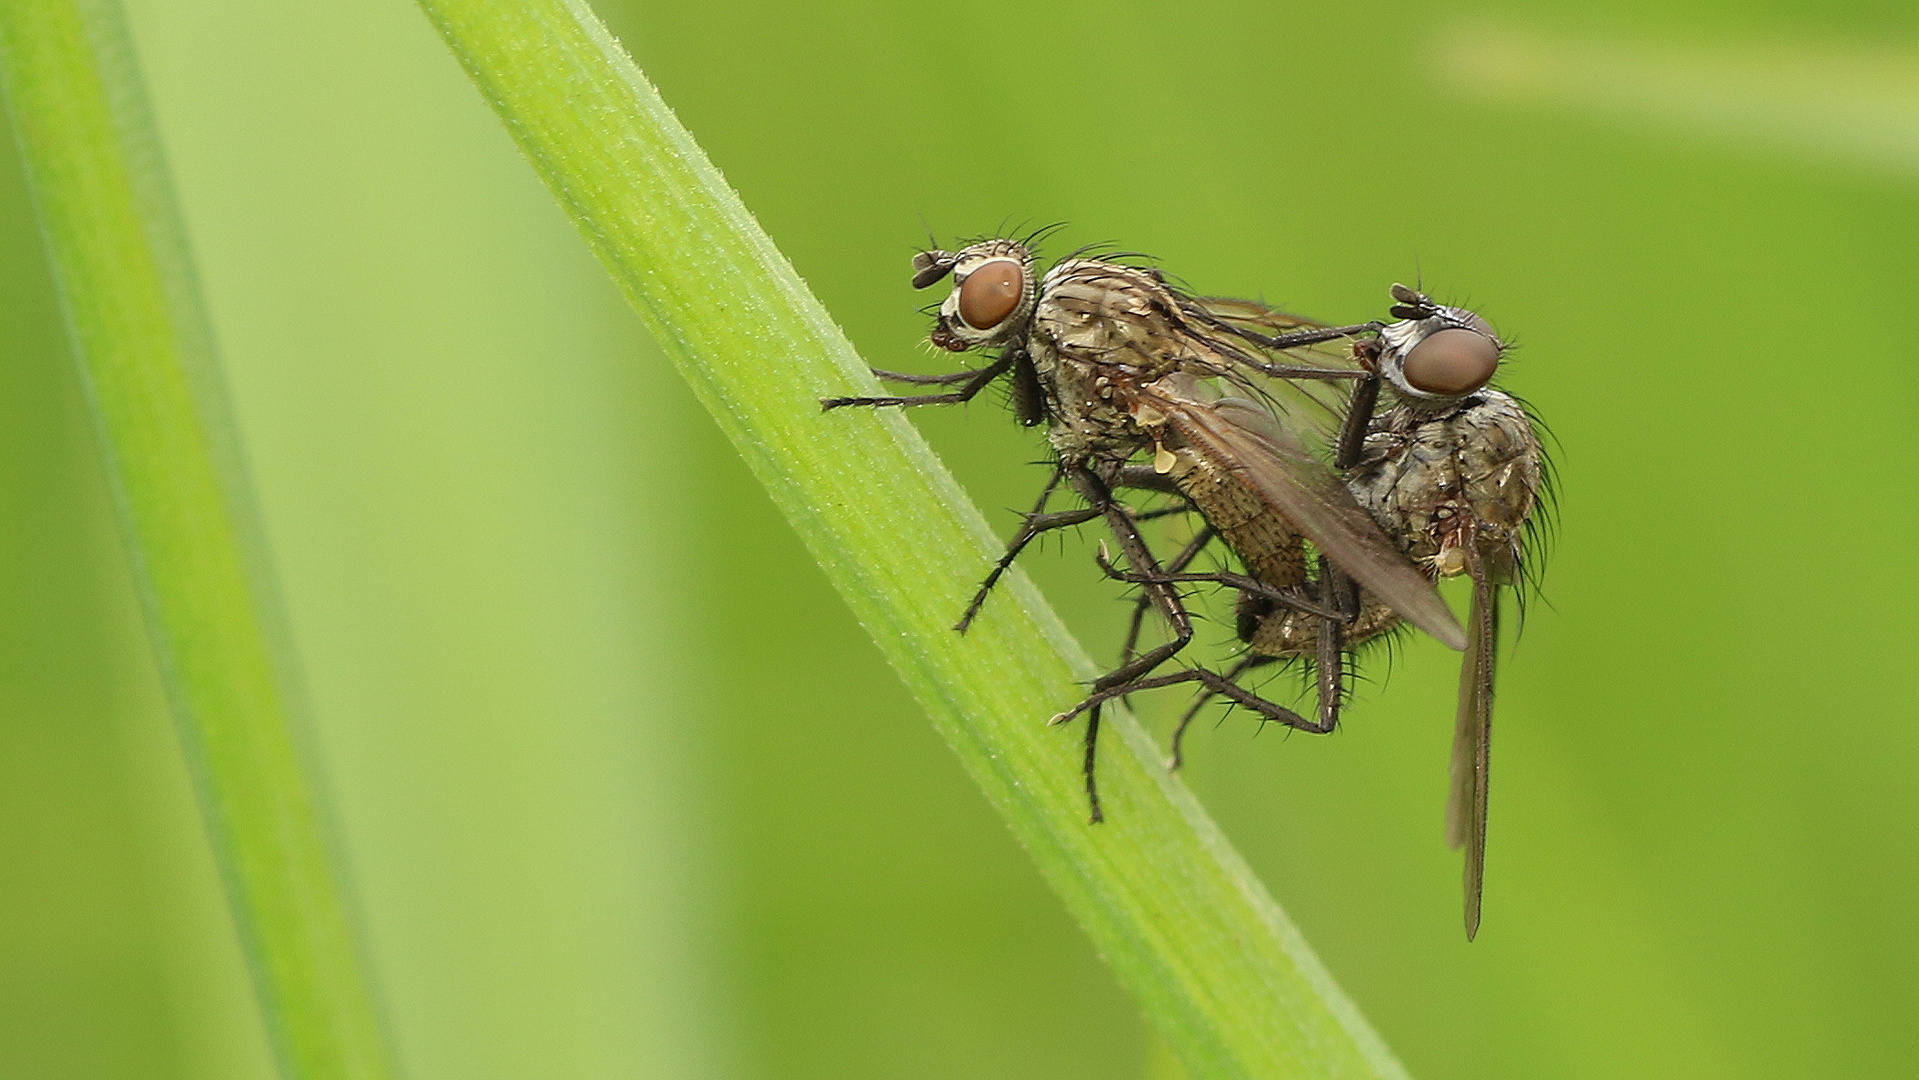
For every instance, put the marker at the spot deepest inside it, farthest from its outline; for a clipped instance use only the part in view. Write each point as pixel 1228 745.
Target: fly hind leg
pixel 1252 660
pixel 1214 684
pixel 1249 587
pixel 1337 607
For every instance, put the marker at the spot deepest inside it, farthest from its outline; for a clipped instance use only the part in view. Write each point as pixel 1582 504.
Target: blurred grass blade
pixel 1215 964
pixel 141 336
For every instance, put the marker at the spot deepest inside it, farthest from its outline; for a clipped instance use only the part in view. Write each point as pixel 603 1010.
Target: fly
pixel 1454 471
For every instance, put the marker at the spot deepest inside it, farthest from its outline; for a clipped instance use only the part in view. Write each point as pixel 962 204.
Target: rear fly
pixel 1454 471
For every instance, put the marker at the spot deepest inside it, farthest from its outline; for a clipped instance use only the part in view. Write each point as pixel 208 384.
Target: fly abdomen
pixel 1271 551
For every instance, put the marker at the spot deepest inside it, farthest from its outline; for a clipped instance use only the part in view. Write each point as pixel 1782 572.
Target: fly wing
pixel 1253 314
pixel 1316 406
pixel 1250 442
pixel 1472 737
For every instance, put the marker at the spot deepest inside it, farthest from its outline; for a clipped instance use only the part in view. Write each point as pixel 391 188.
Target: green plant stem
pixel 1212 960
pixel 141 337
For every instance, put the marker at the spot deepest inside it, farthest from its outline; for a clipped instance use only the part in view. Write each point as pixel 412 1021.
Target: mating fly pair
pixel 1144 387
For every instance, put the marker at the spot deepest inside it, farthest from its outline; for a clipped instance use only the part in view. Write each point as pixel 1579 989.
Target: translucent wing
pixel 1101 312
pixel 1256 315
pixel 1472 737
pixel 1250 442
pixel 1314 407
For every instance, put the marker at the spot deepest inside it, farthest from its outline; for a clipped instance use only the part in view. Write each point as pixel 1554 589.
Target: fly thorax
pixel 1408 480
pixel 1499 460
pixel 1089 422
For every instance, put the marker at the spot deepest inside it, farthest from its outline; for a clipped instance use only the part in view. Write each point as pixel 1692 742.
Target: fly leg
pixel 1126 534
pixel 1337 607
pixel 1215 684
pixel 1251 661
pixel 1180 562
pixel 974 380
pixel 1340 596
pixel 1359 417
pixel 1146 478
pixel 1123 679
pixel 1246 585
pixel 1330 607
pixel 911 379
pixel 1338 591
pixel 1312 335
pixel 1036 522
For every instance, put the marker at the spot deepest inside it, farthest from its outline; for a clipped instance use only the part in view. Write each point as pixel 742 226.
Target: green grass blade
pixel 141 336
pixel 1212 960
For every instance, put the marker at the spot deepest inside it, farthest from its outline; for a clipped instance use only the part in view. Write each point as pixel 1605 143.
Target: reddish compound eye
pixel 991 293
pixel 1451 362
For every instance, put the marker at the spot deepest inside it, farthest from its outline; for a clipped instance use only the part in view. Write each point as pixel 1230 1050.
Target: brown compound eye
pixel 1451 362
pixel 991 293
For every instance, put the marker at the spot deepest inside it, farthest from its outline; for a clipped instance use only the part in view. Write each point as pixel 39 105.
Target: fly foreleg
pixel 975 381
pixel 1338 591
pixel 1309 336
pixel 1340 597
pixel 1312 336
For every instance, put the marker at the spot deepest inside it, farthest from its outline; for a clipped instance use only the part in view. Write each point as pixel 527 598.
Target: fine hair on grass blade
pixel 1218 968
pixel 145 353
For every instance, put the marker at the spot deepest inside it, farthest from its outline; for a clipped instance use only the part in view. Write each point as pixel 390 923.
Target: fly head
pixel 992 298
pixel 1435 354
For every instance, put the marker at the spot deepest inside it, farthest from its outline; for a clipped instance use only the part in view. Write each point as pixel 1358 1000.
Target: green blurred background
pixel 627 793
